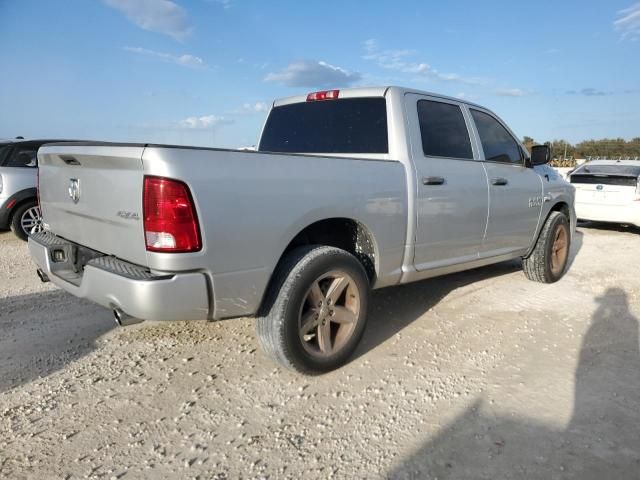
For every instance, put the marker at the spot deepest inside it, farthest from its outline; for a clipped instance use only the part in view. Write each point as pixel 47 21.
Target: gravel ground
pixel 475 375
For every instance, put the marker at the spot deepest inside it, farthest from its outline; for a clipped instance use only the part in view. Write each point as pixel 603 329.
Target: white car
pixel 608 191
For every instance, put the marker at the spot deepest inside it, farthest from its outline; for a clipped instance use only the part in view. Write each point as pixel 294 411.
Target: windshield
pixel 350 125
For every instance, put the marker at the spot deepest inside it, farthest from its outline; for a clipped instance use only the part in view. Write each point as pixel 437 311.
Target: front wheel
pixel 548 261
pixel 316 309
pixel 27 220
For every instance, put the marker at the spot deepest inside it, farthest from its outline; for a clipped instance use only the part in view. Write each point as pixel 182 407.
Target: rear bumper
pixel 597 212
pixel 114 283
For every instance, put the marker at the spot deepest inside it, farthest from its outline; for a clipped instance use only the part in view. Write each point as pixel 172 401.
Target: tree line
pixel 566 152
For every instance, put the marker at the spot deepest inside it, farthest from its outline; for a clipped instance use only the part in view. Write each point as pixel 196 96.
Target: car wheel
pixel 26 220
pixel 315 311
pixel 548 261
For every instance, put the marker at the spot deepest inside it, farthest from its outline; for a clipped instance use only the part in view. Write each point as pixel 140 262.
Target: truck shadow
pixel 609 227
pixel 43 332
pixel 600 441
pixel 392 309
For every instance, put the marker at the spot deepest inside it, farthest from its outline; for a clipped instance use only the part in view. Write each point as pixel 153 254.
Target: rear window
pixel 349 125
pixel 626 170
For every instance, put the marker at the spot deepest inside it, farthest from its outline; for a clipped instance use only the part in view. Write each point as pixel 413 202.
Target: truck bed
pixel 249 205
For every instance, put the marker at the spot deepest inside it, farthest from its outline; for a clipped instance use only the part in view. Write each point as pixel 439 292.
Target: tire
pixel 548 261
pixel 26 214
pixel 321 287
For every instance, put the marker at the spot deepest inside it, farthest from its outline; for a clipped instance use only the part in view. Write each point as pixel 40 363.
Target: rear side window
pixel 23 158
pixel 349 125
pixel 443 130
pixel 497 142
pixel 4 151
pixel 599 169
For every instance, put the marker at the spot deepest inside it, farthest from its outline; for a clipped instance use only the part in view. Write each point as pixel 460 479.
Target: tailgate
pixel 92 195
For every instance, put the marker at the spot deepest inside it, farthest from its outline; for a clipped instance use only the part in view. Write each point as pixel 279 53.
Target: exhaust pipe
pixel 43 276
pixel 124 320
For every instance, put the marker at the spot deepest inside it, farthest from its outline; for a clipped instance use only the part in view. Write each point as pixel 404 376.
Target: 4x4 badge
pixel 74 189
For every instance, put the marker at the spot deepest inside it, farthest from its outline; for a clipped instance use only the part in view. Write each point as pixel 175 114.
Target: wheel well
pixel 562 208
pixel 18 204
pixel 343 233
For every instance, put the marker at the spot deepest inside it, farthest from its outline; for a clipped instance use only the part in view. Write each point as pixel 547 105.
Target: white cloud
pixel 258 107
pixel 206 122
pixel 400 60
pixel 391 59
pixel 628 22
pixel 185 60
pixel 313 73
pixel 589 92
pixel 511 92
pixel 162 16
pixel 251 108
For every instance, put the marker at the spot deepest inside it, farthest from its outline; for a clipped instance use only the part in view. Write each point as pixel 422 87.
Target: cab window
pixel 497 142
pixel 443 130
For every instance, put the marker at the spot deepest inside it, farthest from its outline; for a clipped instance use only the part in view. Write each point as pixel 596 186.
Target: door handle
pixel 499 181
pixel 432 180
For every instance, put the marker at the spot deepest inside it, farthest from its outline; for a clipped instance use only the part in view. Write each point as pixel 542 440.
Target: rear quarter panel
pixel 250 205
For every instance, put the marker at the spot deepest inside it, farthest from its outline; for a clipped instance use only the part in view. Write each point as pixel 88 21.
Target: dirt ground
pixel 476 375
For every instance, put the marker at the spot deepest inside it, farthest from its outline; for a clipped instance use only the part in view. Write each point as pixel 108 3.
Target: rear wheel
pixel 26 220
pixel 315 312
pixel 548 261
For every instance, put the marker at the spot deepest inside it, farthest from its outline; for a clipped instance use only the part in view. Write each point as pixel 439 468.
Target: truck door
pixel 452 188
pixel 515 191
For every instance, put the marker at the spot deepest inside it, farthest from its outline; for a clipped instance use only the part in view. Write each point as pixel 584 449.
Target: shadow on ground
pixel 43 332
pixel 602 440
pixel 392 309
pixel 609 227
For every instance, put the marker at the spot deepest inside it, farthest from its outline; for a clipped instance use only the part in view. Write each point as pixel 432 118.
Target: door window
pixel 443 130
pixel 497 142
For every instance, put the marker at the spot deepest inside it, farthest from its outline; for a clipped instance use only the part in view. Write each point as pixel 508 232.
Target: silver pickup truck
pixel 348 190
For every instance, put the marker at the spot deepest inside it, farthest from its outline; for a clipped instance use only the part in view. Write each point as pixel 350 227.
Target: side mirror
pixel 540 154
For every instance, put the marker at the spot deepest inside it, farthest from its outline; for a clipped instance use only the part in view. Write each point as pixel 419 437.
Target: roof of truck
pixel 370 92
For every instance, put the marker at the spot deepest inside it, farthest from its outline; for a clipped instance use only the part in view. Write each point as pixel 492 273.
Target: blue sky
pixel 203 72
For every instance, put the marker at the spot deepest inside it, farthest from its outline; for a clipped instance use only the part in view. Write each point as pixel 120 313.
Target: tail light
pixel 170 220
pixel 324 95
